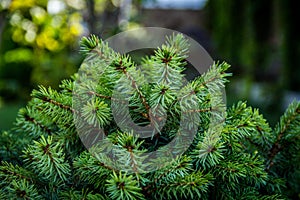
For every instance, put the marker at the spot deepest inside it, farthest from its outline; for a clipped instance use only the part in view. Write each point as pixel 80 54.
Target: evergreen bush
pixel 241 157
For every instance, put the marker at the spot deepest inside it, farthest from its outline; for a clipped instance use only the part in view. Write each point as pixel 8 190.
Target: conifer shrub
pixel 66 144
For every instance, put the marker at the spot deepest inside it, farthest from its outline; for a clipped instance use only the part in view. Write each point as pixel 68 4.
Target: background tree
pixel 259 39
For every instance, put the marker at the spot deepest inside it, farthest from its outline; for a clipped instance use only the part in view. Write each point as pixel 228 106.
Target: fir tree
pixel 42 157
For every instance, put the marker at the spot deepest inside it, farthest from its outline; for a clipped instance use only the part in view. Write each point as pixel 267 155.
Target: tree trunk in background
pixel 91 18
pixel 242 31
pixel 2 24
pixel 261 17
pixel 289 21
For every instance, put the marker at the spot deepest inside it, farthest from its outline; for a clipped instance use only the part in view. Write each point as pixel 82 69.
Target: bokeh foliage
pixel 36 44
pixel 39 42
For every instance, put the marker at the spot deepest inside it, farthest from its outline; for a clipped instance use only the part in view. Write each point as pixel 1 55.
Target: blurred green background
pixel 259 38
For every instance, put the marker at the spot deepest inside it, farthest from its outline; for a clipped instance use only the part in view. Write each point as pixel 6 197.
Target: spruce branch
pixel 22 190
pixel 287 128
pixel 194 185
pixel 45 95
pixel 90 170
pixel 47 159
pixel 9 172
pixel 179 167
pixel 81 194
pixel 124 187
pixel 28 119
pixel 233 154
pixel 87 44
